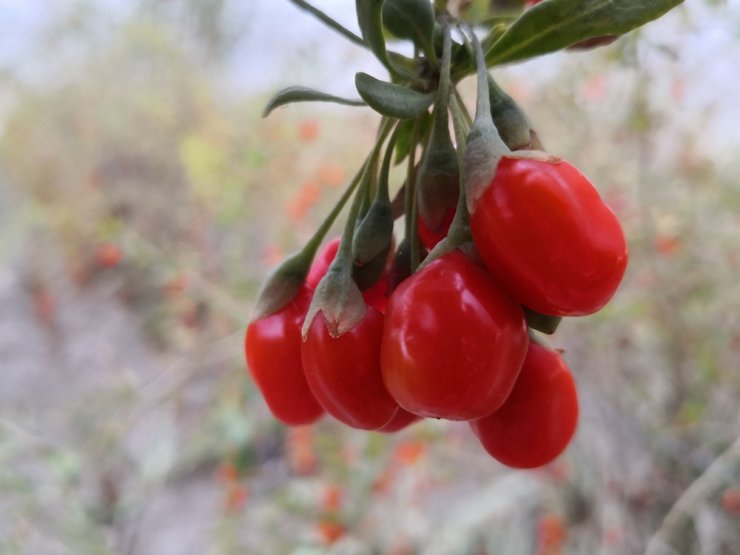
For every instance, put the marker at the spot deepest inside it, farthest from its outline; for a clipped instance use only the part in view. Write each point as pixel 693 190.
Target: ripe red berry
pixel 453 343
pixel 273 352
pixel 539 418
pixel 344 372
pixel 548 238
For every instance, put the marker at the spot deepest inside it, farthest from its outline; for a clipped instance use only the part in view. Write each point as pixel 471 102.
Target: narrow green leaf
pixel 462 62
pixel 321 16
pixel 410 19
pixel 371 26
pixel 405 132
pixel 391 100
pixel 290 95
pixel 555 24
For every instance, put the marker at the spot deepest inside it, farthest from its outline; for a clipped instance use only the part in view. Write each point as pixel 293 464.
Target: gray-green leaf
pixel 556 24
pixel 410 19
pixel 304 94
pixel 391 100
pixel 371 26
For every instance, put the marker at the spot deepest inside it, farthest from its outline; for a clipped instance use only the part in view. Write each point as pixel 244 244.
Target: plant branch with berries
pixel 501 240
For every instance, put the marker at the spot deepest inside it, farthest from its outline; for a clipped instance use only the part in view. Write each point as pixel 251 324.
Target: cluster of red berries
pixel 451 340
pixel 515 239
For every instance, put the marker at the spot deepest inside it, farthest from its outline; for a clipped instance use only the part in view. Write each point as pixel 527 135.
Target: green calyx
pixel 401 266
pixel 512 123
pixel 541 322
pixel 438 178
pixel 282 285
pixel 458 234
pixel 484 147
pixel 368 275
pixel 375 231
pixel 338 298
pixel 337 295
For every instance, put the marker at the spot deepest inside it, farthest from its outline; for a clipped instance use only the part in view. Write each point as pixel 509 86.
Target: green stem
pixel 461 124
pixel 482 101
pixel 329 21
pixel 411 207
pixel 312 246
pixel 459 231
pixel 443 90
pixel 344 254
pixel 372 169
pixel 461 103
pixel 431 54
pixel 383 192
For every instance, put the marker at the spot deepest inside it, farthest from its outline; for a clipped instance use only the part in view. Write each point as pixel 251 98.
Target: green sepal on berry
pixel 438 177
pixel 337 297
pixel 368 275
pixel 541 322
pixel 283 284
pixel 337 294
pixel 512 123
pixel 484 147
pixel 374 233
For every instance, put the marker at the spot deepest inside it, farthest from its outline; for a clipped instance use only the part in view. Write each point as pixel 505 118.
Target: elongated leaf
pixel 462 62
pixel 391 100
pixel 410 19
pixel 554 24
pixel 321 16
pixel 304 94
pixel 405 130
pixel 371 26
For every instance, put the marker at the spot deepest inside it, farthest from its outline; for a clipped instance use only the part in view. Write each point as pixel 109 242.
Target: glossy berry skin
pixel 273 352
pixel 538 419
pixel 453 343
pixel 344 372
pixel 547 237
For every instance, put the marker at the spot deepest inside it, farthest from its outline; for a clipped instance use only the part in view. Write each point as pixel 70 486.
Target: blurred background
pixel 143 200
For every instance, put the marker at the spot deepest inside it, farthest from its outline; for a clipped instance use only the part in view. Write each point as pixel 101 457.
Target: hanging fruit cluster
pixel 501 240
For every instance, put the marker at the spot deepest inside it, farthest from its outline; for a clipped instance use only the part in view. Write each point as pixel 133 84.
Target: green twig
pixel 329 21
